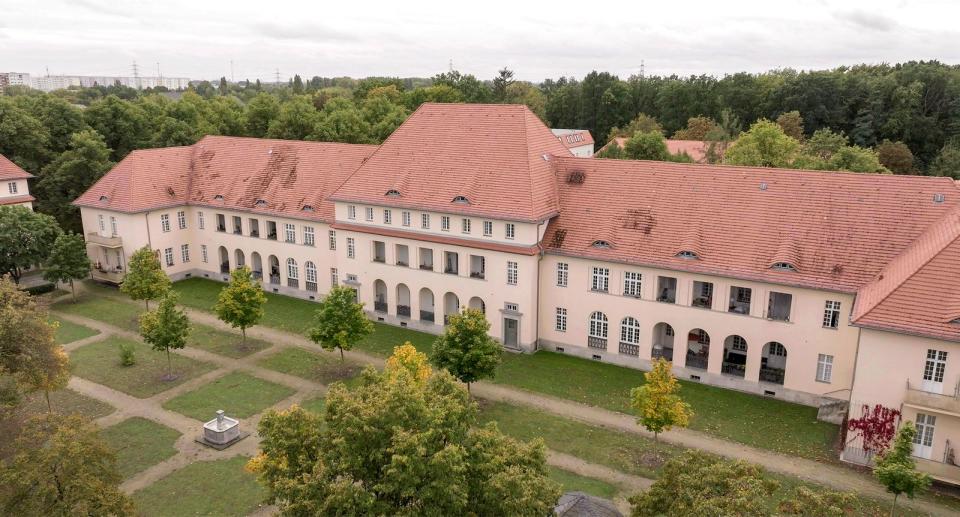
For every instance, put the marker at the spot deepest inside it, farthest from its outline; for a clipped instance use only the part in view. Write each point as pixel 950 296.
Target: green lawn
pixel 238 394
pixel 575 482
pixel 139 444
pixel 324 368
pixel 100 362
pixel 760 422
pixel 222 342
pixel 68 332
pixel 314 404
pixel 102 306
pixel 63 401
pixel 221 488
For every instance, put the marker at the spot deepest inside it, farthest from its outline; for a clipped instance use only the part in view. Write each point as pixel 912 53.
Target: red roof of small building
pixel 278 177
pixel 11 171
pixel 495 155
pixel 573 138
pixel 16 200
pixel 839 229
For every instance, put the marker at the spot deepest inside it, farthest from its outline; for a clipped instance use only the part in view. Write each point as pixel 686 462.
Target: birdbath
pixel 222 430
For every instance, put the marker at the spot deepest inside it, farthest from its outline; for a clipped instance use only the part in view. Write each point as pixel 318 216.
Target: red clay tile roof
pixel 571 138
pixel 840 228
pixel 696 149
pixel 284 175
pixel 494 155
pixel 14 200
pixel 916 293
pixel 12 171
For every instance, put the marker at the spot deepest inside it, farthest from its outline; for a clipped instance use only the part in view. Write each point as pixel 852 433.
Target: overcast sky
pixel 199 38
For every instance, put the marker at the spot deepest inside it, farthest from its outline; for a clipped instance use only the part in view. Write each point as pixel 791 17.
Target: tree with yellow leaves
pixel 657 404
pixel 406 358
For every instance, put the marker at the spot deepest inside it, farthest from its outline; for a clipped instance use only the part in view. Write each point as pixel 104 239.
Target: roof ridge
pixel 526 145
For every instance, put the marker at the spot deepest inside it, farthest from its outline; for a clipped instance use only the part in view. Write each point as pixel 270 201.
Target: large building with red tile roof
pixel 814 287
pixel 14 189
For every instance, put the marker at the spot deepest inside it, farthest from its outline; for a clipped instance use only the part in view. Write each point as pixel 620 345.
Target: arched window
pixel 260 203
pixel 307 208
pixel 293 272
pixel 600 244
pixel 310 269
pixel 783 266
pixel 686 254
pixel 598 325
pixel 393 193
pixel 629 330
pixel 461 200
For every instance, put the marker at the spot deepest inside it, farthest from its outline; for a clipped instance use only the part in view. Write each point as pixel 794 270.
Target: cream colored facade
pixel 15 188
pixel 920 377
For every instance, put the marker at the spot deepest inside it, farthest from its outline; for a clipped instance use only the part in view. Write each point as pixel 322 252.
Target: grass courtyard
pixel 139 444
pixel 239 394
pixel 322 368
pixel 68 332
pixel 221 488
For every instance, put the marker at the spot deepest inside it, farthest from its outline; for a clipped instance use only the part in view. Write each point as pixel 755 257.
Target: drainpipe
pixel 146 220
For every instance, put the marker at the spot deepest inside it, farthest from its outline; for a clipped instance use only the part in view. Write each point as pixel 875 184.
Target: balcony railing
pixel 737 370
pixel 696 361
pixel 258 275
pixel 664 352
pixel 702 302
pixel 629 349
pixel 949 401
pixel 293 282
pixel 597 342
pixel 426 316
pixel 311 286
pixel 224 267
pixel 275 279
pixel 380 306
pixel 403 311
pixel 110 242
pixel 774 375
pixel 113 276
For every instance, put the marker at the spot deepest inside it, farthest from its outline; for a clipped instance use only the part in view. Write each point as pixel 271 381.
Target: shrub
pixel 127 356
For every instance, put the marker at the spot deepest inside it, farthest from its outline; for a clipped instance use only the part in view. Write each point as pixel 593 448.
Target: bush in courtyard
pixel 127 357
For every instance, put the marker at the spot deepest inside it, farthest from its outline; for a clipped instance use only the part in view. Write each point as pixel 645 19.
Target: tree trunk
pixel 894 505
pixel 243 331
pixel 46 393
pixel 169 366
pixel 656 436
pixel 468 388
pixel 147 302
pixel 341 353
pixel 73 291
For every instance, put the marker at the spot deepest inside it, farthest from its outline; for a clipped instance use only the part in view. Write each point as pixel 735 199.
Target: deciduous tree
pixel 466 349
pixel 646 146
pixel 339 323
pixel 656 403
pixel 818 503
pixel 697 129
pixel 26 239
pixel 240 303
pixel 947 162
pixel 62 467
pixel 165 328
pixel 895 156
pixel 145 279
pixel 70 175
pixel 68 261
pixel 792 124
pixel 896 470
pixel 764 145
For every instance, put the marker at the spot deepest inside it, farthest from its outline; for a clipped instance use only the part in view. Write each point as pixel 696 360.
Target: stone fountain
pixel 221 432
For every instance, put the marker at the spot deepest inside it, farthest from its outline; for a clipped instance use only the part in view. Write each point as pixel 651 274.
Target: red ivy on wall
pixel 875 426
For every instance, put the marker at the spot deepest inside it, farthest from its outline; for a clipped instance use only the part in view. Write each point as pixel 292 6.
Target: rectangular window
pixel 113 226
pixel 509 230
pixel 702 294
pixel 451 263
pixel 667 289
pixel 351 248
pixel 924 436
pixel 254 227
pixel 103 226
pixel 200 222
pixel 465 225
pixel 824 367
pixel 561 319
pixel 740 300
pixel 935 365
pixel 512 273
pixel 601 279
pixel 778 306
pixel 387 216
pixel 334 277
pixel 165 222
pixel 379 252
pixel 289 232
pixel 332 237
pixel 237 225
pixel 168 256
pixel 184 253
pixel 12 187
pixel 831 314
pixel 425 221
pixel 563 274
pixel 182 220
pixel 405 218
pixel 203 253
pixel 487 228
pixel 351 212
pixel 369 212
pixel 445 223
pixel 308 236
pixel 512 307
pixel 631 283
pixel 221 223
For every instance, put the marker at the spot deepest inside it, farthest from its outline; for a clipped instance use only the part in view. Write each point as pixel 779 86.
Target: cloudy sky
pixel 199 38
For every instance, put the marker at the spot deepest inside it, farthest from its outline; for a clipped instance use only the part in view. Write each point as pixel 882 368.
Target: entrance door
pixel 933 371
pixel 923 440
pixel 511 333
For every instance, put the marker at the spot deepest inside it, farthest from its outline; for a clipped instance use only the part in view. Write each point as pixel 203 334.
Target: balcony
pixel 380 259
pixel 629 349
pixel 426 316
pixel 696 361
pixel 380 306
pixel 599 343
pixel 110 276
pixel 773 375
pixel 403 311
pixel 106 242
pixel 947 402
pixel 941 471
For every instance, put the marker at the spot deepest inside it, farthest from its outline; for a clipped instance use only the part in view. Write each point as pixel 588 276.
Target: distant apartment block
pixel 14 79
pixel 49 83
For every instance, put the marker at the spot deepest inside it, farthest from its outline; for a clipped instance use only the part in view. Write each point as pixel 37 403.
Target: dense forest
pixel 902 118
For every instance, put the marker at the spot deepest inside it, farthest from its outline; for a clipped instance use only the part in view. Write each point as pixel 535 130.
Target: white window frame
pixel 488 228
pixel 405 218
pixel 445 223
pixel 465 225
pixel 425 221
pixel 103 224
pixel 630 331
pixel 165 222
pixel 513 272
pixel 739 344
pixel 114 230
pixel 632 283
pixel 599 325
pixel 334 277
pixel 509 231
pixel 824 368
pixel 351 248
pixel 561 320
pixel 310 271
pixel 200 221
pixel 387 216
pixel 168 256
pixel 184 253
pixel 290 233
pixel 12 187
pixel 203 253
pixel 351 211
pixel 563 274
pixel 182 219
pixel 309 237
pixel 293 269
pixel 935 365
pixel 831 314
pixel 332 239
pixel 600 279
pixel 369 213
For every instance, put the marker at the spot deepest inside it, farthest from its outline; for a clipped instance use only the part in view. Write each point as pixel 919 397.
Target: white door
pixel 933 371
pixel 923 441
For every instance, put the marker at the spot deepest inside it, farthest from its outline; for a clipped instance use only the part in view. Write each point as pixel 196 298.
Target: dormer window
pixel 783 266
pixel 393 193
pixel 104 199
pixel 462 200
pixel 600 244
pixel 260 203
pixel 307 208
pixel 687 254
pixel 218 197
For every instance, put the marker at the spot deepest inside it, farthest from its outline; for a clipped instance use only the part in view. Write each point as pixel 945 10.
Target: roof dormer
pixel 393 193
pixel 601 244
pixel 461 200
